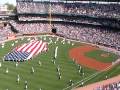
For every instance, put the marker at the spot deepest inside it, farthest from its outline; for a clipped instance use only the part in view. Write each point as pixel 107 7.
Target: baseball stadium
pixel 60 45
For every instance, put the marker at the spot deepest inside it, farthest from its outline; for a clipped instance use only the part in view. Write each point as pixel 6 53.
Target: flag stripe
pixel 35 49
pixel 18 49
pixel 39 51
pixel 28 46
pixel 32 47
pixel 35 53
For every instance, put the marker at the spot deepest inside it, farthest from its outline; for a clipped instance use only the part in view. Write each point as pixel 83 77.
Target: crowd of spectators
pixel 94 35
pixel 28 7
pixel 5 32
pixel 99 10
pixel 113 86
pixel 31 28
pixel 39 7
pixel 90 9
pixel 91 35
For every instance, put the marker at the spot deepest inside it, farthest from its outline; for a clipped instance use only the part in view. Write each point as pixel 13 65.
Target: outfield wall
pixel 109 49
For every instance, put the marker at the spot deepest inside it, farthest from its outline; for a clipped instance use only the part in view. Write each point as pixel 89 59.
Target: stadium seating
pixel 82 33
pixel 31 28
pixel 91 34
pixel 113 86
pixel 5 32
pixel 90 9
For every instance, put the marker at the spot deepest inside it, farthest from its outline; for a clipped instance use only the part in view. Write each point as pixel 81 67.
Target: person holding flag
pixel 7 70
pixel 33 70
pixel 40 63
pixel 26 85
pixel 56 52
pixel 18 79
pixel 0 64
pixel 16 64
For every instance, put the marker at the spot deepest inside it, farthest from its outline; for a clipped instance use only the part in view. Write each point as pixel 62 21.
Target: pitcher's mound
pixel 105 55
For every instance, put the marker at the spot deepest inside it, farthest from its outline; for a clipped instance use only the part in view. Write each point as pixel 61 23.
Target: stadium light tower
pixel 50 17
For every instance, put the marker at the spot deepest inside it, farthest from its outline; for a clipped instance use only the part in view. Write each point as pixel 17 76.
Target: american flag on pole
pixel 26 51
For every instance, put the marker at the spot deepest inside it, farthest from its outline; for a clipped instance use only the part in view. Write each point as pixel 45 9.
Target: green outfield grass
pixel 45 76
pixel 102 76
pixel 97 54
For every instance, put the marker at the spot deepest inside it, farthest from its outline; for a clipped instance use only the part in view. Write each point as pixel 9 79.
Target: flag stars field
pixel 26 51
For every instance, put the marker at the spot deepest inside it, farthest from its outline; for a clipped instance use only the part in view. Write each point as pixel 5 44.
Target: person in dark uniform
pixel 70 83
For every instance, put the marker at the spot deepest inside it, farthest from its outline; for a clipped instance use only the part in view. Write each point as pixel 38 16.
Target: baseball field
pixel 79 64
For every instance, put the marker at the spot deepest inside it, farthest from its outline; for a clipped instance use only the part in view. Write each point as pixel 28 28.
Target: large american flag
pixel 27 51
